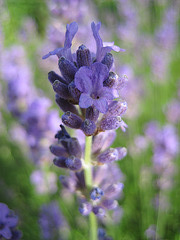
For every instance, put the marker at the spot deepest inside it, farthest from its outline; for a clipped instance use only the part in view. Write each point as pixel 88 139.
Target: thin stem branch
pixel 89 183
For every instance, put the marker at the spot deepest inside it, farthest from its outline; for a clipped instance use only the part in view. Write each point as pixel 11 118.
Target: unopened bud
pixel 108 60
pixel 61 89
pixel 83 56
pixel 88 127
pixel 67 69
pixel 52 76
pixel 71 120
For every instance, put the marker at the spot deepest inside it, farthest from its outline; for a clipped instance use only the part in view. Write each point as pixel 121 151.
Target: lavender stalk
pixel 89 183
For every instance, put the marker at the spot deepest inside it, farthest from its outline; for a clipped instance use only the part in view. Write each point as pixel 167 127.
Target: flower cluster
pixel 87 81
pixel 86 92
pixel 8 223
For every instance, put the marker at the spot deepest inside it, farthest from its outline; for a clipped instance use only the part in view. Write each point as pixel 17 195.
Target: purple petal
pixel 101 104
pixel 113 47
pixel 6 233
pixel 4 210
pixel 71 30
pixel 54 52
pixel 11 221
pixel 99 43
pixel 83 80
pixel 102 47
pixel 85 100
pixel 99 74
pixel 106 93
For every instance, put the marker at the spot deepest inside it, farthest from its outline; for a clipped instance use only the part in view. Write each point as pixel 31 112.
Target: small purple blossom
pixel 89 80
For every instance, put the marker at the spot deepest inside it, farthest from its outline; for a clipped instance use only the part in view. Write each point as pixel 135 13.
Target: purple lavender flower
pixel 166 147
pixel 8 222
pixel 86 81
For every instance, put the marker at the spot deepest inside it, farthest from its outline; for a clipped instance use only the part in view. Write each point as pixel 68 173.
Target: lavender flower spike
pixel 89 80
pixel 71 30
pixel 102 48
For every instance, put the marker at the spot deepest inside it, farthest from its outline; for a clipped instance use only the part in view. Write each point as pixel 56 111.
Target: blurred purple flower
pixel 52 223
pixel 8 222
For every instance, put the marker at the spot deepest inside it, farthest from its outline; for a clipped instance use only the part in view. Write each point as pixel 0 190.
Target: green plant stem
pixel 89 183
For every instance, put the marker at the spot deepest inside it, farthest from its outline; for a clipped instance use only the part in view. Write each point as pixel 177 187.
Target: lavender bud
pixel 116 108
pixel 71 120
pixel 83 56
pixel 58 151
pixel 74 148
pixel 96 193
pixel 52 76
pixel 88 127
pixel 73 163
pixel 92 113
pixel 61 89
pixel 60 162
pixel 85 208
pixel 62 134
pixel 67 69
pixel 99 211
pixel 113 190
pixel 102 141
pixel 68 183
pixel 111 81
pixel 110 123
pixel 108 60
pixel 65 105
pixel 74 92
pixel 110 204
pixel 122 152
pixel 110 155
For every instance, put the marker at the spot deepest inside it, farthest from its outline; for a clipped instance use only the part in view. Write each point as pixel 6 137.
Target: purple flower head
pixel 71 30
pixel 8 222
pixel 89 80
pixel 102 48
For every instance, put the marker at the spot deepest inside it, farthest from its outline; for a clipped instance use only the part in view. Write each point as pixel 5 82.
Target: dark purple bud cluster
pixel 68 151
pixel 87 81
pixel 8 223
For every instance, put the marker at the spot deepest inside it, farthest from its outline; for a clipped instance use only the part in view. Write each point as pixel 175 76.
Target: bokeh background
pixel 149 30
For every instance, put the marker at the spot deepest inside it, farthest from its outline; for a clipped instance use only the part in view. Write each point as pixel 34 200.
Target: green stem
pixel 89 184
